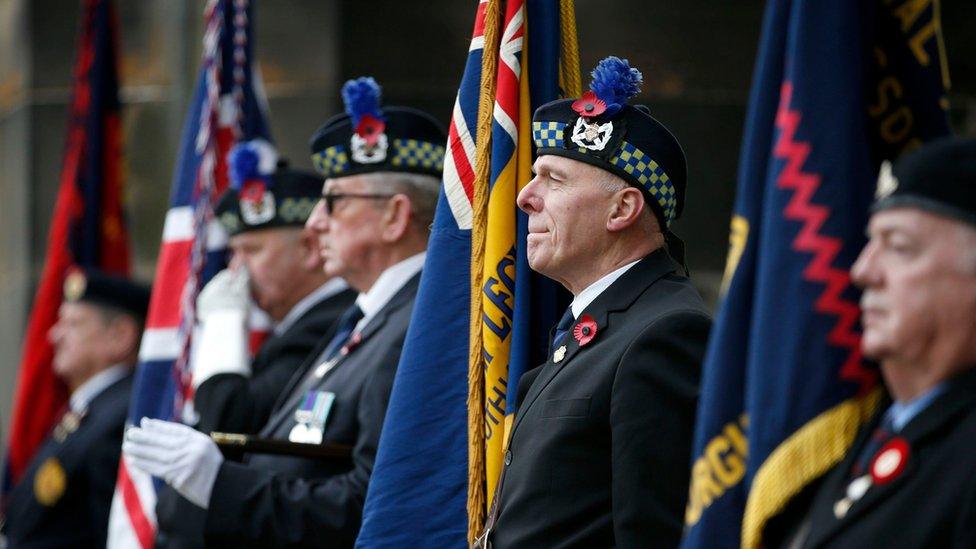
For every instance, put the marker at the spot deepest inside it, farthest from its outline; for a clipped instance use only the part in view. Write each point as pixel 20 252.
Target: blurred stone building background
pixel 696 55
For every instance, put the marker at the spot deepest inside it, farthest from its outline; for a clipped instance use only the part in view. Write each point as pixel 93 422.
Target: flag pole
pixel 476 382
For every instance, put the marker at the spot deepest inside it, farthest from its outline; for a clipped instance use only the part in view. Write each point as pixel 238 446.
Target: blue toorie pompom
pixel 243 160
pixel 614 81
pixel 361 97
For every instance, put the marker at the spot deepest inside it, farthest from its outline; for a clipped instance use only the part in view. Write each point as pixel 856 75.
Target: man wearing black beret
pixel 908 479
pixel 64 497
pixel 382 168
pixel 601 445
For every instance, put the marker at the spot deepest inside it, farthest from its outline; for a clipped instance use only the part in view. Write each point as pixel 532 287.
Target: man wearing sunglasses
pixel 382 168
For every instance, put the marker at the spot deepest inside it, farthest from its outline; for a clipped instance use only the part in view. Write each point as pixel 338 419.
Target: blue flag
pixel 839 85
pixel 419 487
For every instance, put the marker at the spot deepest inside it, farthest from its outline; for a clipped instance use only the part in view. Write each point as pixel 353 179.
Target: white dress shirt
pixel 323 292
pixel 594 290
pixel 386 286
pixel 87 391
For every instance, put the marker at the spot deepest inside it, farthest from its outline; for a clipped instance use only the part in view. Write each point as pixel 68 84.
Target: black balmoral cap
pixel 99 288
pixel 601 129
pixel 262 198
pixel 940 177
pixel 370 138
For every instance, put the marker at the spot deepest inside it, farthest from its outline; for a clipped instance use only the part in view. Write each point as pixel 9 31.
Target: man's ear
pixel 309 245
pixel 124 336
pixel 625 210
pixel 397 217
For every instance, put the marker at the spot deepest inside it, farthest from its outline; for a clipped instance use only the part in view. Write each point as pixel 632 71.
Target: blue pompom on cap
pixel 244 160
pixel 614 82
pixel 361 97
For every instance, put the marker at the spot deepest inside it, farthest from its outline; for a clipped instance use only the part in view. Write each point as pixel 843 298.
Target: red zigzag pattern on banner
pixel 824 248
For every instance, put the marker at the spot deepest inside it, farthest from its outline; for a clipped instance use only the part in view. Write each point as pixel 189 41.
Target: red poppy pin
pixel 585 330
pixel 890 461
pixel 353 342
pixel 253 191
pixel 370 128
pixel 589 105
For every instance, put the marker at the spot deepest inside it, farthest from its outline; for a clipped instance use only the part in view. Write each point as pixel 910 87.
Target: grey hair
pixel 422 190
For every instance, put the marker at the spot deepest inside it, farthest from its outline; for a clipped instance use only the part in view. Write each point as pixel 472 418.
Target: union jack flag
pixel 228 106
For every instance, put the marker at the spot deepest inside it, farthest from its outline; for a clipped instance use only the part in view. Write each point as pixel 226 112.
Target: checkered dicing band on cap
pixel 548 134
pixel 332 160
pixel 650 176
pixel 411 152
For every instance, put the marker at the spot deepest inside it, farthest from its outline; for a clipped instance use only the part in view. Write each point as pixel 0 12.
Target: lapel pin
pixel 558 354
pixel 842 507
pixel 890 461
pixel 855 491
pixel 585 330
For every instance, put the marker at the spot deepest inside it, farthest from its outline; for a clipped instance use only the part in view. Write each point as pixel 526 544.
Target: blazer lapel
pixel 956 400
pixel 283 410
pixel 617 297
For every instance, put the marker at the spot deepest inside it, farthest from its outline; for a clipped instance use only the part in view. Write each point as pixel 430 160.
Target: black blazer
pixel 237 404
pixel 601 446
pixel 932 503
pixel 89 459
pixel 290 501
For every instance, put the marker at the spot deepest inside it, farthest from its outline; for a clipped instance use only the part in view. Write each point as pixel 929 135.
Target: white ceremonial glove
pixel 221 339
pixel 183 457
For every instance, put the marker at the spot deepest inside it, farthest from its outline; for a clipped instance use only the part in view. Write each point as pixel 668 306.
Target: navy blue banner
pixel 839 85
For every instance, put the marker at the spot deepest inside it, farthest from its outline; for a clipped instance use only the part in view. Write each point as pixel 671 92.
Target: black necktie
pixel 344 328
pixel 882 434
pixel 560 334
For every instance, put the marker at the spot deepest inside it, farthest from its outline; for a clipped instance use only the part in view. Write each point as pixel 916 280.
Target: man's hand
pixel 183 457
pixel 227 291
pixel 220 344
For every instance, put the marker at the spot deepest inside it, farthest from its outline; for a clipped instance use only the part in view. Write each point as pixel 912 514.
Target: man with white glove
pixel 372 223
pixel 276 266
pixel 182 456
pixel 222 336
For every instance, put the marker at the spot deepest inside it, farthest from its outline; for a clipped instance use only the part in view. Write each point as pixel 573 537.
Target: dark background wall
pixel 696 55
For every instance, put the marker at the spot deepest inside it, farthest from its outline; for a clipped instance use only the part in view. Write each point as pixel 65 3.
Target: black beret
pixel 939 177
pixel 370 138
pixel 106 290
pixel 255 200
pixel 601 129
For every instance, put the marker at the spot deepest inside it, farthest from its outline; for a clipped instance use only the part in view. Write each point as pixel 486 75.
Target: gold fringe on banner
pixel 476 367
pixel 569 62
pixel 802 458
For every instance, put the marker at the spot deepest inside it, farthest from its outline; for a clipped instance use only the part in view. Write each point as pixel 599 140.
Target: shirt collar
pixel 581 301
pixel 387 285
pixel 332 287
pixel 87 391
pixel 903 412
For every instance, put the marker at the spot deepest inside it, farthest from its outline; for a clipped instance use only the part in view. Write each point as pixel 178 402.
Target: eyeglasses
pixel 329 199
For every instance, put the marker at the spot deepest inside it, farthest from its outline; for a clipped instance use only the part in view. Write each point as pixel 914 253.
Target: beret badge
pixel 74 285
pixel 368 143
pixel 257 202
pixel 614 82
pixel 887 182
